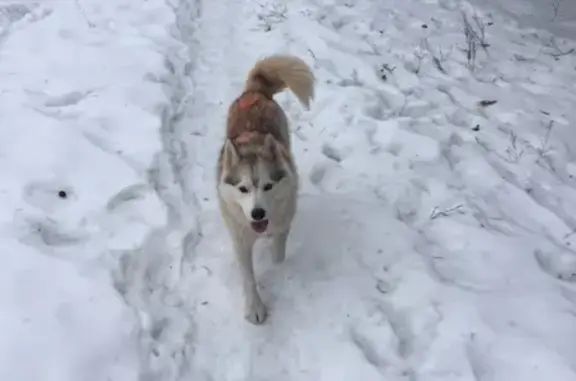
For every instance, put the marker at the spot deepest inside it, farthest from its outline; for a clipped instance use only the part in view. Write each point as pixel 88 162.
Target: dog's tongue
pixel 259 226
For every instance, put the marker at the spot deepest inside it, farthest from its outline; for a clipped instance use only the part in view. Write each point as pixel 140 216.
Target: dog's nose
pixel 258 214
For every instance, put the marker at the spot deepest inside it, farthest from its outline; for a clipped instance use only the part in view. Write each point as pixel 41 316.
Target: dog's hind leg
pixel 279 249
pixel 254 309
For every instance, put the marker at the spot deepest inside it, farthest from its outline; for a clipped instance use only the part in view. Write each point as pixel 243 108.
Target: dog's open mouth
pixel 259 226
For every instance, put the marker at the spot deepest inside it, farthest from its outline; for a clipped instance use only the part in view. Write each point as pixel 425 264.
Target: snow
pixel 434 237
pixel 79 132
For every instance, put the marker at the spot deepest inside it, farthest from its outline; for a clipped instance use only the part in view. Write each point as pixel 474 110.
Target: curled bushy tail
pixel 273 74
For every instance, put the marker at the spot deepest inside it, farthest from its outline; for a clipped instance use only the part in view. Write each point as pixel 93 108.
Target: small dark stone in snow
pixel 424 26
pixel 62 194
pixel 490 23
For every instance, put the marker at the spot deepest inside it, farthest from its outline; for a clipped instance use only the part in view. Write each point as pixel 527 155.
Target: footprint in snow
pixel 477 360
pixel 68 99
pixel 130 193
pixel 61 100
pixel 385 324
pixel 559 264
pixel 47 232
pixel 317 174
pixel 12 13
pixel 332 152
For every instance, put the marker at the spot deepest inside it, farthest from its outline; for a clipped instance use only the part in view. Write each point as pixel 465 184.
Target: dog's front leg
pixel 279 251
pixel 254 310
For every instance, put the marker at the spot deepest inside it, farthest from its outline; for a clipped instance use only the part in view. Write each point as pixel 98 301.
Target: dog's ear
pixel 230 157
pixel 270 145
pixel 275 149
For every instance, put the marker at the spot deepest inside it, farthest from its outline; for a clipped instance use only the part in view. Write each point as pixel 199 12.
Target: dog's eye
pixel 268 186
pixel 243 189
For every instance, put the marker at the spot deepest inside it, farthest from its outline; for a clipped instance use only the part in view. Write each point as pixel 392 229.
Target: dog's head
pixel 257 178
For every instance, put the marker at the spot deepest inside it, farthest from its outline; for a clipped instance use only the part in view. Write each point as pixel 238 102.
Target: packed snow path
pixel 435 232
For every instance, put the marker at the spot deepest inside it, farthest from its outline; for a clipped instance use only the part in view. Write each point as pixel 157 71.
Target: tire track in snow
pixel 221 48
pixel 149 277
pixel 156 278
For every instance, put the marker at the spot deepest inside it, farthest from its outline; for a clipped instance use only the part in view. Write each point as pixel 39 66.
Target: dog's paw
pixel 256 312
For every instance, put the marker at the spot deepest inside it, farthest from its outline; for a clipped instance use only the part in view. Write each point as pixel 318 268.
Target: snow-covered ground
pixel 556 16
pixel 434 238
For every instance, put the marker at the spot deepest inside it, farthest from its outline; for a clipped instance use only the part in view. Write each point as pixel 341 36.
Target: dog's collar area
pixel 249 137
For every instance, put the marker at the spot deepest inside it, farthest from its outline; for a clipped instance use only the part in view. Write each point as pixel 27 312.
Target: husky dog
pixel 257 176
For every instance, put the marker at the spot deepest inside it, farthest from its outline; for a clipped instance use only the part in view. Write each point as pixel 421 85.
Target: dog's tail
pixel 273 74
